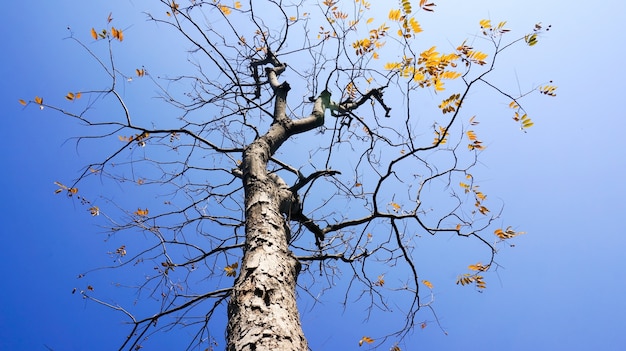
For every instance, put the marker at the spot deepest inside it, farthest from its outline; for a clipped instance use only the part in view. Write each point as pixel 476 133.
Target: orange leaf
pixel 380 281
pixel 94 210
pixel 395 206
pixel 427 283
pixel 94 35
pixel 117 34
pixel 471 135
pixel 22 102
pixel 225 10
pixel 478 267
pixel 141 212
pixel 365 339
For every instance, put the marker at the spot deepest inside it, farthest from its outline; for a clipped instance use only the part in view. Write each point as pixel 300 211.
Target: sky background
pixel 561 287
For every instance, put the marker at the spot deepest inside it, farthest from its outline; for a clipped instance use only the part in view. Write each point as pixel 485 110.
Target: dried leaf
pixel 380 281
pixel 94 210
pixel 365 339
pixel 231 270
pixel 141 213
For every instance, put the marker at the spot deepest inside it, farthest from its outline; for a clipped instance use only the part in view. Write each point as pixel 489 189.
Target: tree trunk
pixel 262 309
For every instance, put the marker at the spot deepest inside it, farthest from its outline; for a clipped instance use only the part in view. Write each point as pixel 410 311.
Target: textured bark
pixel 262 310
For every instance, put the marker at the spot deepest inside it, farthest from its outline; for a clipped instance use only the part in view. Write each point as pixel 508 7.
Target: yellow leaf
pixel 427 283
pixel 485 24
pixel 225 10
pixel 369 20
pixel 531 39
pixel 392 65
pixel 471 135
pixel 94 35
pixel 548 90
pixel 237 5
pixel 141 213
pixel 450 75
pixel 395 15
pixel 395 206
pixel 415 26
pixel 439 85
pixel 365 339
pixel 478 267
pixel 22 102
pixel 406 6
pixel 231 270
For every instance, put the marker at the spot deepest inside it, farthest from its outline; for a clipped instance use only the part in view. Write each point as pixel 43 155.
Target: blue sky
pixel 561 287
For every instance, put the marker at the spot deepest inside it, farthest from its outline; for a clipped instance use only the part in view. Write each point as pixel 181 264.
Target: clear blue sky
pixel 561 287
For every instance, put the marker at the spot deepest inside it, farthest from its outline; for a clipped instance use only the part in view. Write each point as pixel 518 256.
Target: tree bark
pixel 262 309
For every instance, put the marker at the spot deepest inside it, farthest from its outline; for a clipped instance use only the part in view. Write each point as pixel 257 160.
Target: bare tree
pixel 299 147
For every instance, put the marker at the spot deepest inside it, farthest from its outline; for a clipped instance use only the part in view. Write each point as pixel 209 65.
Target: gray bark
pixel 262 310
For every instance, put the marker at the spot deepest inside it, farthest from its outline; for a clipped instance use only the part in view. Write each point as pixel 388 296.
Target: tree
pixel 299 145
